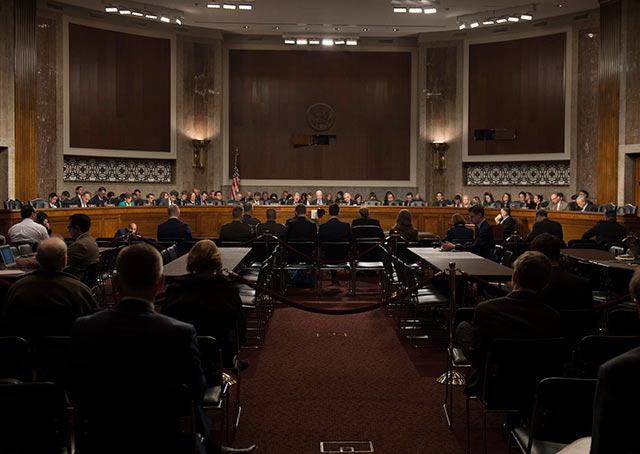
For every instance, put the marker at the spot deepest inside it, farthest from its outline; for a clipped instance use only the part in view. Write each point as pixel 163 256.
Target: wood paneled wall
pixel 609 100
pixel 370 93
pixel 518 85
pixel 119 90
pixel 25 72
pixel 632 111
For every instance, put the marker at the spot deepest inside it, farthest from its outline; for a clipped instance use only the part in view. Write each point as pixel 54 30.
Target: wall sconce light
pixel 439 155
pixel 199 152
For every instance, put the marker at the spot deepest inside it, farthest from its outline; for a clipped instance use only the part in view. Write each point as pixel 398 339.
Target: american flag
pixel 235 181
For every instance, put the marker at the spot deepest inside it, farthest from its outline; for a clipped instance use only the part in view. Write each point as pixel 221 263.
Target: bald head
pixel 52 254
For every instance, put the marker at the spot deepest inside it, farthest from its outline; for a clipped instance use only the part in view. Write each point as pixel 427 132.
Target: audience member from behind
pixel 248 216
pixel 300 227
pixel 566 291
pixel 271 226
pixel 618 398
pixel 131 344
pixel 544 225
pixel 334 230
pixel 173 228
pixel 208 300
pixel 506 220
pixel 236 230
pixel 404 226
pixel 84 250
pixel 458 233
pixel 364 218
pixel 519 315
pixel 47 301
pixel 27 230
pixel 483 243
pixel 607 231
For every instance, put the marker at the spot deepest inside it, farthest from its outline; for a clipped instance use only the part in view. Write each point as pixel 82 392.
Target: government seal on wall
pixel 320 116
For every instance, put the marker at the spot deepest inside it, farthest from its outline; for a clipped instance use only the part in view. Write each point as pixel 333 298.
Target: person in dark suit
pixel 236 230
pixel 77 199
pixel 173 228
pixel 618 397
pixel 301 228
pixel 542 225
pixel 607 231
pixel 483 243
pixel 271 226
pixel 100 198
pixel 319 200
pixel 519 315
pixel 458 233
pixel 364 218
pixel 585 205
pixel 131 344
pixel 566 291
pixel 506 221
pixel 248 216
pixel 334 229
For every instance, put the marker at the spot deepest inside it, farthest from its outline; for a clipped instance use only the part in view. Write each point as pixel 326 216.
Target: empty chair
pixel 25 249
pixel 627 209
pixel 371 202
pixel 396 203
pixel 39 203
pixel 338 253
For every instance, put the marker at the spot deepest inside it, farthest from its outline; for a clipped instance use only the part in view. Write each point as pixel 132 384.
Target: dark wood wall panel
pixel 609 101
pixel 632 114
pixel 370 93
pixel 26 154
pixel 518 85
pixel 47 105
pixel 119 90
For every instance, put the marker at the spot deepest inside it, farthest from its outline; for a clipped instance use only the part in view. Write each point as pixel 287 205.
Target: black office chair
pixel 594 351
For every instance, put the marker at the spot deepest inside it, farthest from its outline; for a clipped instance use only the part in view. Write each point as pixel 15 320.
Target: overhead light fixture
pixel 125 11
pixel 327 42
pixel 462 26
pixel 526 17
pixel 488 22
pixel 166 20
pixel 111 9
pixel 228 6
pixel 178 21
pixel 289 41
pixel 150 16
pixel 502 20
pixel 399 9
pixel 513 19
pixel 396 29
pixel 365 29
pixel 137 13
pixel 474 24
pixel 415 10
pixel 214 5
pixel 301 41
pixel 352 42
pixel 314 42
pixel 338 42
pixel 245 7
pixel 430 10
pixel 498 16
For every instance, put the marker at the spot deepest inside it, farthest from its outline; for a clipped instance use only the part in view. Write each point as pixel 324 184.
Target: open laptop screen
pixel 7 256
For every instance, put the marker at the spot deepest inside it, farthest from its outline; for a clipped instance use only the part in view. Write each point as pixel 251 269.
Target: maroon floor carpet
pixel 321 378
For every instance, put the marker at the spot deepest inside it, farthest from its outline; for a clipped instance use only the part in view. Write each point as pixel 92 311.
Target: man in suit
pixel 483 243
pixel 584 204
pixel 271 226
pixel 439 202
pixel 84 250
pixel 301 228
pixel 236 230
pixel 346 199
pixel 131 344
pixel 364 218
pixel 607 231
pixel 519 315
pixel 173 228
pixel 566 291
pixel 543 224
pixel 100 198
pixel 248 216
pixel 319 200
pixel 131 229
pixel 506 221
pixel 557 203
pixel 617 397
pixel 295 200
pixel 48 300
pixel 77 199
pixel 82 201
pixel 409 199
pixel 334 229
pixel 285 197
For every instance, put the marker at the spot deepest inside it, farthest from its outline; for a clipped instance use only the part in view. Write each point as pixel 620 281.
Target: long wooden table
pixel 231 257
pixel 466 262
pixel 205 221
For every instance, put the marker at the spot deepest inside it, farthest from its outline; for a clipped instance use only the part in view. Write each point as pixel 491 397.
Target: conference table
pixel 231 257
pixel 466 262
pixel 601 258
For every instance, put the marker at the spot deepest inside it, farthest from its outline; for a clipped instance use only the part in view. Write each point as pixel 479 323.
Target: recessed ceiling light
pixel 415 10
pixel 301 41
pixel 289 41
pixel 276 28
pixel 314 41
pixel 338 42
pixel 430 10
pixel 352 42
pixel 474 24
pixel 214 5
pixel 245 7
pixel 327 42
pixel 125 11
pixel 246 27
pixel 462 26
pixel 513 19
pixel 111 9
pixel 228 6
pixel 165 19
pixel 488 22
pixel 337 29
pixel 502 20
pixel 178 21
pixel 526 17
pixel 591 35
pixel 396 29
pixel 559 5
pixel 136 13
pixel 399 9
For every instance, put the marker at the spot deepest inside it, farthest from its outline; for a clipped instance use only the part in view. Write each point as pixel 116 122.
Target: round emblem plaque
pixel 320 116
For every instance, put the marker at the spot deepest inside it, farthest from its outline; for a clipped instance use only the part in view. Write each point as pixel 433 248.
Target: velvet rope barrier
pixel 329 262
pixel 317 310
pixel 612 302
pixel 7 283
pixel 484 283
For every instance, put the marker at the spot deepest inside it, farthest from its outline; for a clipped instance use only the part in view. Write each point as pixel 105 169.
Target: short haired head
pixel 541 213
pixel 634 286
pixel 549 245
pixel 204 258
pixel 52 254
pixel 334 209
pixel 52 195
pixel 27 211
pixel 610 214
pixel 174 211
pixel 318 194
pixel 300 209
pixel 80 220
pixel 477 209
pixel 457 219
pixel 583 192
pixel 139 267
pixel 532 271
pixel 364 212
pixel 41 216
pixel 248 208
pixel 102 189
pixel 506 209
pixel 237 212
pixel 271 214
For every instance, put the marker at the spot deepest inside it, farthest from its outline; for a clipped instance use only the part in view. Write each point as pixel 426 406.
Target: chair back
pixel 335 250
pixel 367 231
pixel 583 244
pixel 172 252
pixel 211 354
pixel 623 322
pixel 50 358
pixel 516 205
pixel 507 258
pixel 307 248
pixel 25 249
pixel 418 203
pixel 371 202
pixel 39 203
pixel 608 206
pixel 14 353
pixel 396 203
pixel 217 202
pixel 578 323
pixel 627 209
pixel 90 275
pixel 364 244
pixel 515 366
pixel 594 351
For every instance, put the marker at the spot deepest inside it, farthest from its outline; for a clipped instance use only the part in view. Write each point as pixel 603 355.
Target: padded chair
pixel 39 203
pixel 418 203
pixel 14 358
pixel 396 203
pixel 562 413
pixel 583 244
pixel 516 205
pixel 367 231
pixel 512 371
pixel 495 205
pixel 334 251
pixel 608 206
pixel 627 209
pixel 33 419
pixel 13 205
pixel 50 356
pixel 25 249
pixel 217 202
pixel 594 351
pixel 623 322
pixel 371 202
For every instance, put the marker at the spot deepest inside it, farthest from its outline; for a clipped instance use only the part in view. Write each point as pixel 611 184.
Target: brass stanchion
pixel 454 376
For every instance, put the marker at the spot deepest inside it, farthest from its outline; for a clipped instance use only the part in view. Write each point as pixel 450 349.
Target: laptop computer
pixel 7 256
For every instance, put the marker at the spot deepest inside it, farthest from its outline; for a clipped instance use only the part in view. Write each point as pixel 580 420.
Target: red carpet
pixel 345 378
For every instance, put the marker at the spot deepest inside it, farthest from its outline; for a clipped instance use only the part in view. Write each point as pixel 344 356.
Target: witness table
pixel 231 257
pixel 601 258
pixel 465 261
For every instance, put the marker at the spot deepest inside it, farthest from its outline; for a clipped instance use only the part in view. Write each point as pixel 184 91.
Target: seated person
pixel 43 219
pixel 127 200
pixel 47 301
pixel 208 300
pixel 408 199
pixel 585 205
pixel 84 250
pixel 617 397
pixel 483 243
pixel 607 231
pixel 173 228
pixel 439 202
pixel 566 291
pixel 53 200
pixel 542 225
pixel 519 315
pixel 507 221
pixel 364 218
pixel 131 229
pixel 248 216
pixel 236 230
pixel 300 227
pixel 100 198
pixel 334 230
pixel 271 226
pixel 27 230
pixel 404 226
pixel 347 200
pixel 458 233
